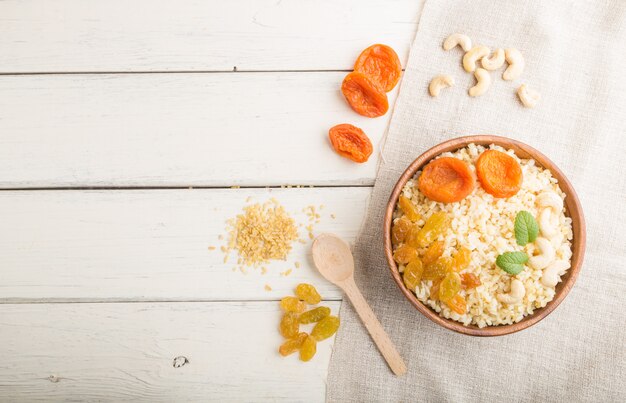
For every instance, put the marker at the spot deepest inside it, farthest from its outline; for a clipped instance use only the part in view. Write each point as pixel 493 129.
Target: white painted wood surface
pixel 125 351
pixel 191 35
pixel 101 289
pixel 222 129
pixel 152 245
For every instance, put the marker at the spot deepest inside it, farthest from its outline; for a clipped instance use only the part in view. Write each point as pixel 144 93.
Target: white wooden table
pixel 123 126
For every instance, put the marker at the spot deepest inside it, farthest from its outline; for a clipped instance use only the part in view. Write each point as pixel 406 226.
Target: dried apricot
pixel 308 293
pixel 292 304
pixel 314 315
pixel 400 229
pixel 434 252
pixel 308 348
pixel 292 345
pixel 446 180
pixel 408 208
pixel 289 325
pixel 381 64
pixel 434 289
pixel 461 259
pixel 364 96
pixel 499 173
pixel 469 281
pixel 325 328
pixel 412 274
pixel 404 254
pixel 436 225
pixel 350 142
pixel 437 269
pixel 457 304
pixel 450 286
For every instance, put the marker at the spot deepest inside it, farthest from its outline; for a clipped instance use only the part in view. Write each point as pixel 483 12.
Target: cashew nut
pixel 551 274
pixel 515 296
pixel 483 81
pixel 457 39
pixel 516 64
pixel 438 83
pixel 529 97
pixel 546 256
pixel 471 57
pixel 548 222
pixel 495 61
pixel 550 199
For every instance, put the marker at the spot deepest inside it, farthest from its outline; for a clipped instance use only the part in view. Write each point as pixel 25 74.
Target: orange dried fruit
pixel 446 180
pixel 412 274
pixel 364 96
pixel 292 345
pixel 461 259
pixel 438 269
pixel 351 142
pixel 434 289
pixel 308 348
pixel 469 281
pixel 314 315
pixel 404 254
pixel 400 229
pixel 325 328
pixel 457 304
pixel 499 173
pixel 437 224
pixel 292 304
pixel 408 208
pixel 450 286
pixel 434 252
pixel 289 325
pixel 381 64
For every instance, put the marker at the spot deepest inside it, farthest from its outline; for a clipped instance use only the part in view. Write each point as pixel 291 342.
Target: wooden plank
pixel 152 245
pixel 219 129
pixel 120 352
pixel 184 35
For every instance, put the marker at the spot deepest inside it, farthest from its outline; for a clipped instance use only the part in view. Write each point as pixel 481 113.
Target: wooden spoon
pixel 334 261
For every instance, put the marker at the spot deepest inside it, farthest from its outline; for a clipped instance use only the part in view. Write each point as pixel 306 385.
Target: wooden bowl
pixel 572 209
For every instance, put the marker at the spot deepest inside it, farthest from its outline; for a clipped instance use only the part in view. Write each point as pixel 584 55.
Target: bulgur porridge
pixel 481 236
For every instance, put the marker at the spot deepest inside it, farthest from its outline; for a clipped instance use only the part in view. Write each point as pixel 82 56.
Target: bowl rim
pixel 573 209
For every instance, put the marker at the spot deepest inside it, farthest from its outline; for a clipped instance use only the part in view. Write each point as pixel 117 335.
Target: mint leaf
pixel 526 228
pixel 512 262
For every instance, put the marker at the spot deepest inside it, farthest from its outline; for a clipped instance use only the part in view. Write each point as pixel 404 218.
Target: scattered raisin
pixel 433 252
pixel 292 304
pixel 308 293
pixel 289 325
pixel 314 315
pixel 408 208
pixel 437 269
pixel 469 281
pixel 404 254
pixel 308 348
pixel 292 345
pixel 457 304
pixel 325 328
pixel 450 286
pixel 461 259
pixel 400 229
pixel 436 225
pixel 412 275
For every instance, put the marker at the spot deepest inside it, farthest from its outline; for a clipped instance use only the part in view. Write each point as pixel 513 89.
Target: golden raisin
pixel 469 281
pixel 450 286
pixel 437 269
pixel 325 328
pixel 400 229
pixel 308 348
pixel 292 304
pixel 412 275
pixel 411 236
pixel 433 252
pixel 436 225
pixel 404 254
pixel 289 325
pixel 408 208
pixel 434 289
pixel 308 293
pixel 292 345
pixel 457 304
pixel 314 315
pixel 461 259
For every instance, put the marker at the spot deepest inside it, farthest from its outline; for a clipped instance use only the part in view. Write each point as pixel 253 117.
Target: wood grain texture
pixel 189 35
pixel 573 209
pixel 152 245
pixel 222 129
pixel 121 352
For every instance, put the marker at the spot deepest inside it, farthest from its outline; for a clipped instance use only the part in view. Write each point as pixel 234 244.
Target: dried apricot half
pixel 350 142
pixel 381 64
pixel 499 173
pixel 446 180
pixel 364 95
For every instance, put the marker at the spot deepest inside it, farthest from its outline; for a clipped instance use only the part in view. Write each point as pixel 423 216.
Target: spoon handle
pixel 380 337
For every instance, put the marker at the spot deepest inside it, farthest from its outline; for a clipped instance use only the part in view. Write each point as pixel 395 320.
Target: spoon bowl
pixel 333 258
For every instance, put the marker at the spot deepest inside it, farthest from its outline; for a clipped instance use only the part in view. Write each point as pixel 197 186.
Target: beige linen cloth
pixel 576 57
